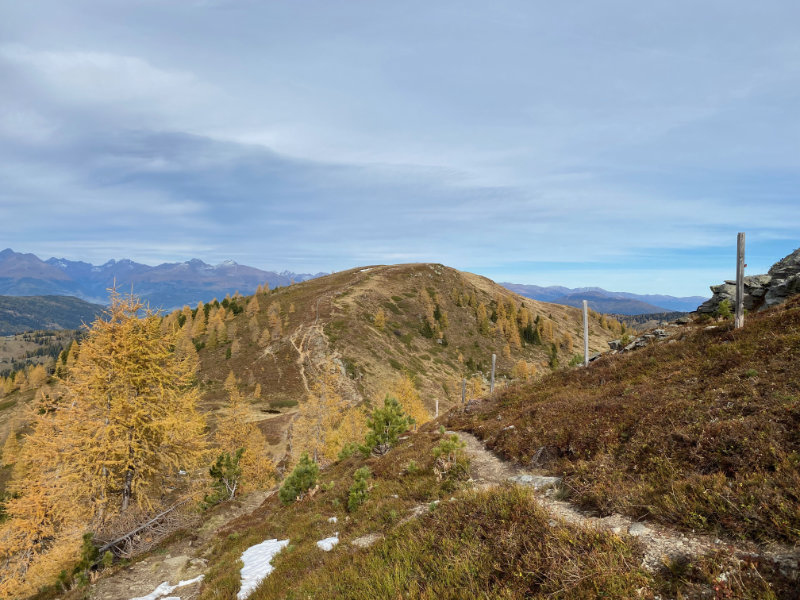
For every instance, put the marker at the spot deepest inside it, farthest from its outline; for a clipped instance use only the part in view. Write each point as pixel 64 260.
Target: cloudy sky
pixel 618 143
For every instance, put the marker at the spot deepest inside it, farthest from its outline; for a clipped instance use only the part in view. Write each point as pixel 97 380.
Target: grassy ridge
pixel 703 434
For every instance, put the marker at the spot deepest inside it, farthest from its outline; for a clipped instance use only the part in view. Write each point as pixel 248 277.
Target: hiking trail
pixel 660 543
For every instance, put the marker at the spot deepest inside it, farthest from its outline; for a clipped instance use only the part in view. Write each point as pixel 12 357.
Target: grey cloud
pixel 319 135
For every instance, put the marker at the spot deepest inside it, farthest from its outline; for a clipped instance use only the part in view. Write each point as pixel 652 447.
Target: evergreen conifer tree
pixel 385 426
pixel 302 478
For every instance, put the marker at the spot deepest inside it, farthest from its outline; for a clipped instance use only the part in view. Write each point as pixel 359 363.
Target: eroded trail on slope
pixel 299 341
pixel 659 542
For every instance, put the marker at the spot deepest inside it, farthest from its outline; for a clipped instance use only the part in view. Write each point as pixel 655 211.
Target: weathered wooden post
pixel 464 391
pixel 437 408
pixel 739 317
pixel 585 333
pixel 491 385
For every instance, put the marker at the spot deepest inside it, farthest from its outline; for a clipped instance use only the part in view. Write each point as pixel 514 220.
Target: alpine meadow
pixel 383 301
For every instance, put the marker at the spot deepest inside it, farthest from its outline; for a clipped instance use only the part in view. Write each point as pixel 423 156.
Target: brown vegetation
pixel 701 433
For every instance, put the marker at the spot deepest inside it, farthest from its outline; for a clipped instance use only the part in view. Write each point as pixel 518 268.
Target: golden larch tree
pixel 37 375
pixel 235 430
pixel 199 327
pixel 405 392
pixel 476 386
pixel 380 319
pixel 314 429
pixel 141 394
pixel 125 426
pixel 20 381
pixel 253 307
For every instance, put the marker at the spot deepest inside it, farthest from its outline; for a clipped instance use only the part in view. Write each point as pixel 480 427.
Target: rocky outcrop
pixel 639 342
pixel 760 291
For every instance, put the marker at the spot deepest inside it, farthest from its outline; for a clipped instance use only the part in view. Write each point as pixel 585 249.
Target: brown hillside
pixel 335 316
pixel 700 432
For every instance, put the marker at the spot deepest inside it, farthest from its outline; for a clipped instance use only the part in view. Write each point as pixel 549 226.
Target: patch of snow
pixel 258 564
pixel 328 543
pixel 332 520
pixel 165 588
pixel 367 269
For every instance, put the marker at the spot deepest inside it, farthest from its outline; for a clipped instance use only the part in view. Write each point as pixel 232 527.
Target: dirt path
pixel 659 542
pixel 302 352
pixel 181 560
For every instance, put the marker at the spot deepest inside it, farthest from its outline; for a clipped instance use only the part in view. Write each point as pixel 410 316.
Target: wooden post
pixel 491 385
pixel 739 319
pixel 464 391
pixel 585 333
pixel 437 408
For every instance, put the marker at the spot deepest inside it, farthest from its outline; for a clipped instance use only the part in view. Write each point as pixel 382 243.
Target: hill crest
pixel 377 323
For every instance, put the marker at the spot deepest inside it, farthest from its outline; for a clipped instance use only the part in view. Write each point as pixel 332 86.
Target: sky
pixel 619 144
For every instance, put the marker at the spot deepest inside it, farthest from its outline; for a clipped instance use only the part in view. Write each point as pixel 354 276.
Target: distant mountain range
pixel 603 301
pixel 27 313
pixel 169 285
pixel 172 285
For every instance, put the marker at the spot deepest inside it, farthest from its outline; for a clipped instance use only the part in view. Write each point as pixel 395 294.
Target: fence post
pixel 585 333
pixel 739 319
pixel 464 391
pixel 491 385
pixel 437 408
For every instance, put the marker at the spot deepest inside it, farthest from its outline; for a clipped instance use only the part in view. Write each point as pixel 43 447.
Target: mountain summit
pixel 168 285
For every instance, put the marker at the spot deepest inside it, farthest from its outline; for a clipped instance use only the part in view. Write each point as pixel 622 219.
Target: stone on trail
pixel 537 482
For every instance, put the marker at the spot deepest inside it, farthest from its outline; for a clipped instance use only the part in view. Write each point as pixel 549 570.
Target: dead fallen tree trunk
pixel 121 546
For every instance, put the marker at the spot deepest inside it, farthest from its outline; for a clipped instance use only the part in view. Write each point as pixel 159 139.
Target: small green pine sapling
pixel 724 310
pixel 302 478
pixel 359 490
pixel 227 474
pixel 385 426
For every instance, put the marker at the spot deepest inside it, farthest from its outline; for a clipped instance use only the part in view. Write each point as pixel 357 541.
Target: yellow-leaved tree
pixel 325 422
pixel 235 431
pixel 118 437
pixel 405 392
pixel 380 319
